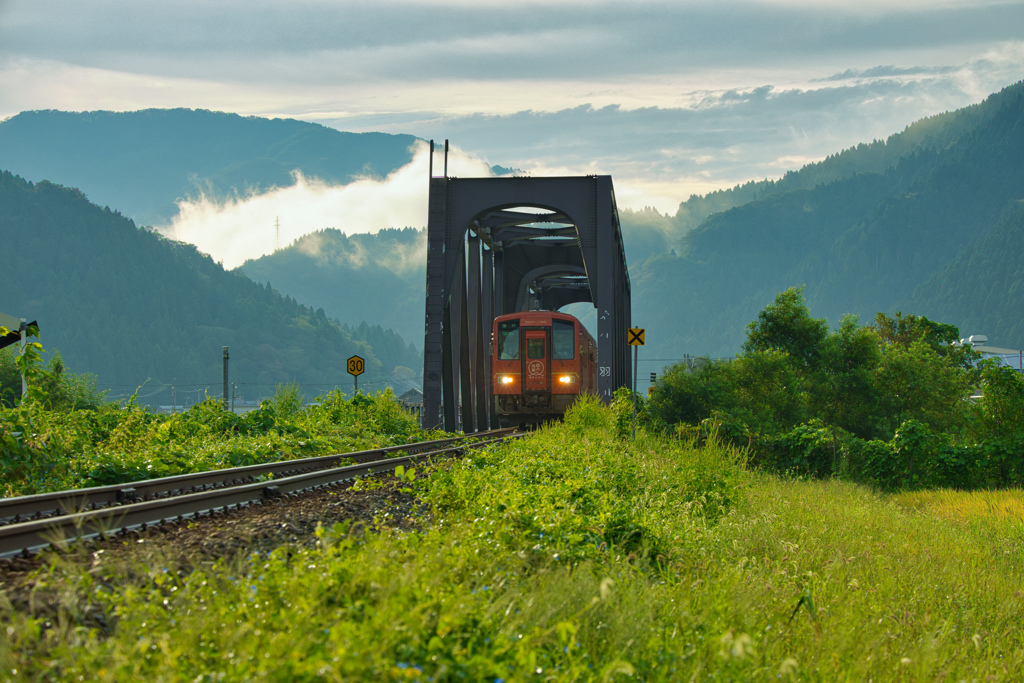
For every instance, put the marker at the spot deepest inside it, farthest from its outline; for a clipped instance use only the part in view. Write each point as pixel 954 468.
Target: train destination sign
pixel 636 336
pixel 356 365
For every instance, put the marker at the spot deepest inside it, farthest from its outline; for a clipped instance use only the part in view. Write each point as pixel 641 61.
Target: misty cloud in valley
pixel 241 228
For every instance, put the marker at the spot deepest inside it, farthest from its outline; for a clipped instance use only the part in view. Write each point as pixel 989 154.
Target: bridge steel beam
pixel 485 259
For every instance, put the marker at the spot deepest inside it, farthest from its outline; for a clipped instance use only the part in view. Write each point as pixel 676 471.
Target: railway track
pixel 30 523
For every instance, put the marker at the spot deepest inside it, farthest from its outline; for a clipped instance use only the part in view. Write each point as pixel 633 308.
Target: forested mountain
pixel 375 277
pixel 127 305
pixel 898 238
pixel 934 132
pixel 140 162
pixel 983 287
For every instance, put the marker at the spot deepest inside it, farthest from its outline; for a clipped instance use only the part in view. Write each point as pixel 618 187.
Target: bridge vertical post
pixel 450 369
pixel 464 353
pixel 436 318
pixel 487 317
pixel 476 332
pixel 499 283
pixel 608 344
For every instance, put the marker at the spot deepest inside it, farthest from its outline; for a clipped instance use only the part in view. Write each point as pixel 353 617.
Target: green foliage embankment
pixel 62 435
pixel 889 404
pixel 570 555
pixel 50 450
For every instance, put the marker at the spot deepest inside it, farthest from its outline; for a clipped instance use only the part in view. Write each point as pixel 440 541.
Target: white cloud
pixel 244 228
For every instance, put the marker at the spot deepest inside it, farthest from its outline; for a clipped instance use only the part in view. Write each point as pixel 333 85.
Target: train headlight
pixel 506 379
pixel 565 379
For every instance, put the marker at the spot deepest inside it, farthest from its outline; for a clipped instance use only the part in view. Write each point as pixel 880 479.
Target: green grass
pixel 43 450
pixel 572 555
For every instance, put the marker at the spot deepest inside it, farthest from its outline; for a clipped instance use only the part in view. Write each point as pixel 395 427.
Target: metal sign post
pixel 636 340
pixel 226 356
pixel 356 365
pixel 21 330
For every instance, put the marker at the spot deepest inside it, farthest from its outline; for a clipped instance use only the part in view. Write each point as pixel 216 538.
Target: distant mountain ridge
pixel 883 226
pixel 128 305
pixel 141 162
pixel 889 240
pixel 378 277
pixel 930 133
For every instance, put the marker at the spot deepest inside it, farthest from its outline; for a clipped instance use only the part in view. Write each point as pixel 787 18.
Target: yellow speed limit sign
pixel 356 365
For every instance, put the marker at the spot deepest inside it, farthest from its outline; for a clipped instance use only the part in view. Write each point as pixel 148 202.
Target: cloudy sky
pixel 671 98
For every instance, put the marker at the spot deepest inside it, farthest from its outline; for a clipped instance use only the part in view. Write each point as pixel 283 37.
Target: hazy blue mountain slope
pixel 913 234
pixel 983 287
pixel 379 278
pixel 141 162
pixel 127 305
pixel 932 133
pixel 860 245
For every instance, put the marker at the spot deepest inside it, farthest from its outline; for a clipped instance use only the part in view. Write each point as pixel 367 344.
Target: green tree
pixel 787 325
pixel 690 395
pixel 772 390
pixel 903 330
pixel 1002 402
pixel 842 389
pixel 914 382
pixel 10 378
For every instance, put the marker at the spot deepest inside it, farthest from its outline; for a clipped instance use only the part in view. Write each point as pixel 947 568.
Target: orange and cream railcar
pixel 540 362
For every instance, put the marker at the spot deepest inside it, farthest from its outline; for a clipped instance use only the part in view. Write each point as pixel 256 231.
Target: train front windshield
pixel 508 340
pixel 563 339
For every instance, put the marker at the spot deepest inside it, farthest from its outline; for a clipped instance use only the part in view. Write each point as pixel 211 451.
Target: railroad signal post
pixel 636 340
pixel 356 366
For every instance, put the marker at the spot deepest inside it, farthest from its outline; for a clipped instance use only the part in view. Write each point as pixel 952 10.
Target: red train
pixel 540 362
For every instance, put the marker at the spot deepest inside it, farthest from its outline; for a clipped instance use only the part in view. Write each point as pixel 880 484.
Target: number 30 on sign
pixel 355 366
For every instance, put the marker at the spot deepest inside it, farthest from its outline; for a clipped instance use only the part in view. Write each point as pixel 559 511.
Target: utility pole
pixel 225 376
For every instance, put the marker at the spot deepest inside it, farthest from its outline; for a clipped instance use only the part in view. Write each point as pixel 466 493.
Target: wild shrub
pixel 807 450
pixel 288 400
pixel 1002 403
pixel 586 414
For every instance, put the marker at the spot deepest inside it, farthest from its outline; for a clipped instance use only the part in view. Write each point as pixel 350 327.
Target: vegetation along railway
pixel 32 523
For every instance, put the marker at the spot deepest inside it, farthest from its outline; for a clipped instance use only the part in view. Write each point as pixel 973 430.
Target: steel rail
pixel 48 505
pixel 26 537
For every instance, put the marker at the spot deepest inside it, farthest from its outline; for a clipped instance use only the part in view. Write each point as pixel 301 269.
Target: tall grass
pixel 576 555
pixel 1002 507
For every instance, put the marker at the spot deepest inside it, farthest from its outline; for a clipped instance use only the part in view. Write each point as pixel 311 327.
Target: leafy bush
pixel 1002 403
pixel 51 450
pixel 810 450
pixel 588 413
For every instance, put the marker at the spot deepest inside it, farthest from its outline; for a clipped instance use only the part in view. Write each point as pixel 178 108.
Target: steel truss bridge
pixel 509 244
